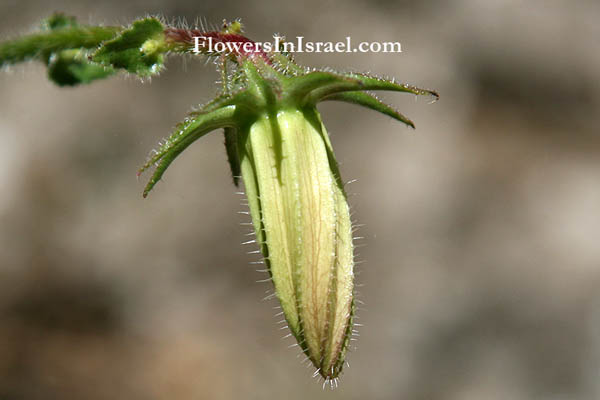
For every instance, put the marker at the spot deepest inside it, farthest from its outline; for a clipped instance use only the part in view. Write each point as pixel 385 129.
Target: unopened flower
pixel 276 140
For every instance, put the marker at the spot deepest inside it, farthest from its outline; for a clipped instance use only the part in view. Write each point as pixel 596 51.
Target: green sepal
pixel 262 90
pixel 231 147
pixel 186 133
pixel 216 103
pixel 299 89
pixel 139 49
pixel 368 82
pixel 316 86
pixel 369 101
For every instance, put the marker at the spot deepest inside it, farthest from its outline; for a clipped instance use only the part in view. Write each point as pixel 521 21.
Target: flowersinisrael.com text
pixel 203 44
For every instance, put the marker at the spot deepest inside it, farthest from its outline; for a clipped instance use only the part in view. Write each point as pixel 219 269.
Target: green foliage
pixel 139 50
pixel 41 45
pixel 78 54
pixel 72 67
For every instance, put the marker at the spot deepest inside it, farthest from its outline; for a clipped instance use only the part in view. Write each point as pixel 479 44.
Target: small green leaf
pixel 139 49
pixel 71 67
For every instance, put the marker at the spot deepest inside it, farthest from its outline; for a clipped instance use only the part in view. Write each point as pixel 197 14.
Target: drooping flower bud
pixel 276 140
pixel 299 208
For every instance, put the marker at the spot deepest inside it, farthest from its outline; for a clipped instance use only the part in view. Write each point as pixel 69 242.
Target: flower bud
pixel 301 215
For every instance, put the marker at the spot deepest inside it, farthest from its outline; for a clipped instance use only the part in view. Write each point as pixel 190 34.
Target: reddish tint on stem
pixel 186 36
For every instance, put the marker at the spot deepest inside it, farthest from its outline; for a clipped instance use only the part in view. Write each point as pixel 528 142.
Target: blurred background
pixel 481 274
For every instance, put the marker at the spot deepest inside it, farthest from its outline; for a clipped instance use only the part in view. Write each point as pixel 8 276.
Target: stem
pixel 40 44
pixel 236 44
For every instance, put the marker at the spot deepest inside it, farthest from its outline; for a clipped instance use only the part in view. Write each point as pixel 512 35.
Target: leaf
pixel 138 50
pixel 62 46
pixel 71 67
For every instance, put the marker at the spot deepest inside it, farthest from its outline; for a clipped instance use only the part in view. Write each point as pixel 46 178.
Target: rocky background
pixel 481 277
